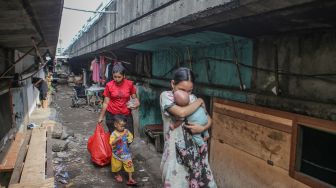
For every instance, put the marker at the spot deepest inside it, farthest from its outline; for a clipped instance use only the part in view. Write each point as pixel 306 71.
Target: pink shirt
pixel 95 71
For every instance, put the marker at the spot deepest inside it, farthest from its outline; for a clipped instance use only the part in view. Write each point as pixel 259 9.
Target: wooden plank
pixel 325 125
pixel 256 114
pixel 49 169
pixel 255 108
pixel 12 154
pixel 235 168
pixel 19 161
pixel 321 123
pixel 5 143
pixel 252 119
pixel 313 182
pixel 48 183
pixel 34 167
pixel 268 144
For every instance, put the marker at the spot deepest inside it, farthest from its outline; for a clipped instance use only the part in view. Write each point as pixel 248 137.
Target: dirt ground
pixel 73 167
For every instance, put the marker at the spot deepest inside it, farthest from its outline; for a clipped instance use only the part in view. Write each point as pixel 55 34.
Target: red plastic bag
pixel 99 147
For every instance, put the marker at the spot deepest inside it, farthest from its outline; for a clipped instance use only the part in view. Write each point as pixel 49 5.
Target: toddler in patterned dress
pixel 121 156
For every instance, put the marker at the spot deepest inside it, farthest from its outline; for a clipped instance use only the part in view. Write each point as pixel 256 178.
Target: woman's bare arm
pixel 103 110
pixel 40 80
pixel 185 111
pixel 194 128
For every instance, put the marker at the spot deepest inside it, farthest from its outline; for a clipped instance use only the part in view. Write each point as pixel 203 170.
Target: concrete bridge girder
pixel 136 23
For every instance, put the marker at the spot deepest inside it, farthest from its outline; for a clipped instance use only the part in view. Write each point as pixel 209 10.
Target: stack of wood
pixel 8 163
pixel 30 160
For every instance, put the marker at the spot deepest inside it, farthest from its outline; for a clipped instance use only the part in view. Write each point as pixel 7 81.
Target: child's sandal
pixel 131 182
pixel 118 178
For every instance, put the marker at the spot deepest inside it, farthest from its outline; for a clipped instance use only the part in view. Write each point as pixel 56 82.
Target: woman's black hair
pixel 183 74
pixel 118 68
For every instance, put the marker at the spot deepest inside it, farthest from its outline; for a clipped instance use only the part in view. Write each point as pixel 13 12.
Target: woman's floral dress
pixel 183 165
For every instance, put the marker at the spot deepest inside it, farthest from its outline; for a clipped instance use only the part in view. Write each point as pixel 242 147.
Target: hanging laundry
pixel 107 72
pixel 102 68
pixel 95 70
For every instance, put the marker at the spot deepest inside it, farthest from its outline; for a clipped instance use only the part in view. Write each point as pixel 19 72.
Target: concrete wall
pixel 135 18
pixel 5 117
pixel 6 123
pixel 5 107
pixel 129 10
pixel 306 56
pixel 25 63
pixel 6 57
pixel 30 91
pixel 20 101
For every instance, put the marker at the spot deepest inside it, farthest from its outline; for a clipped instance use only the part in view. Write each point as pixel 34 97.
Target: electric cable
pixel 229 61
pixel 82 10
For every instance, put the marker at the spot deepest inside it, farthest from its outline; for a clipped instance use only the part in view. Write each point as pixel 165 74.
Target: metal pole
pixel 235 58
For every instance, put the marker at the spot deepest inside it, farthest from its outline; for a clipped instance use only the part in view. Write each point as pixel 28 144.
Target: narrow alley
pixel 190 93
pixel 75 160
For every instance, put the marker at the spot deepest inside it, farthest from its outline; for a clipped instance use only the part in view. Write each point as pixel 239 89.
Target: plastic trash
pixel 144 179
pixel 78 159
pixel 58 169
pixel 63 181
pixel 32 126
pixel 130 103
pixel 64 175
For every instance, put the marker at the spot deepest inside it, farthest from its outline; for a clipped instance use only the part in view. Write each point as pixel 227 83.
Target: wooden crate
pixel 251 146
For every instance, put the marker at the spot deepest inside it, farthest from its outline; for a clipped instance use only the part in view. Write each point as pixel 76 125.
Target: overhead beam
pixel 30 12
pixel 194 16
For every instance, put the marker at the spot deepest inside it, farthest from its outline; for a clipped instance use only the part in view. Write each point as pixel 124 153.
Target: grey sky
pixel 72 21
